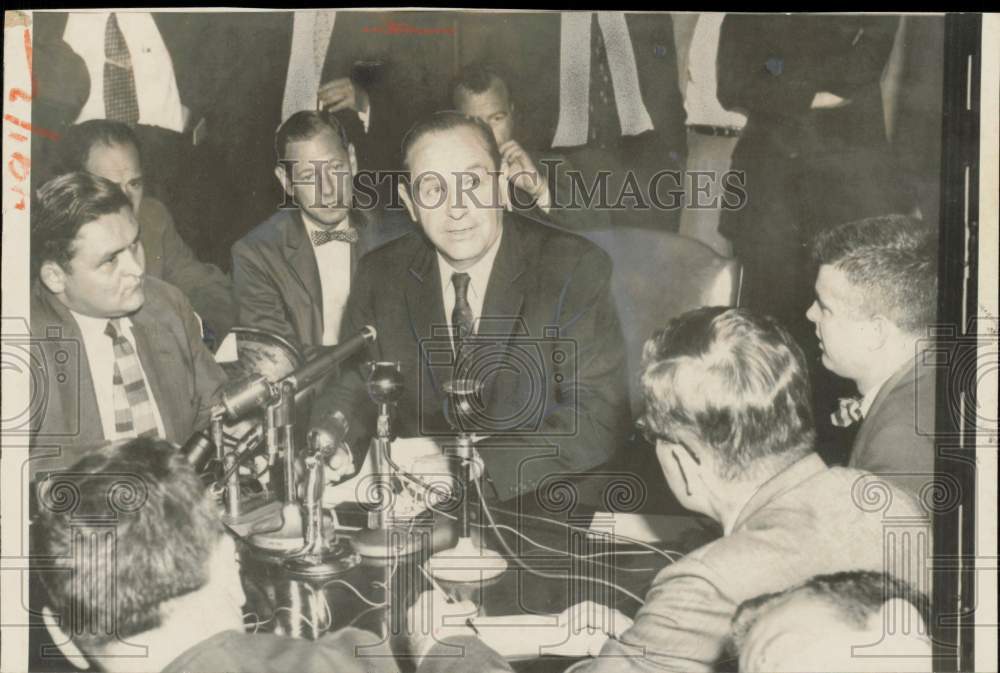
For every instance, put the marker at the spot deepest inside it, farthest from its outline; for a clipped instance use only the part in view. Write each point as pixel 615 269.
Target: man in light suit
pixel 479 285
pixel 123 351
pixel 728 408
pixel 876 297
pixel 293 272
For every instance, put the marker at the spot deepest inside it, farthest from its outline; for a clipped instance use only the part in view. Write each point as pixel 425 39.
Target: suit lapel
pixel 425 305
pixel 888 388
pixel 158 362
pixel 504 294
pixel 301 260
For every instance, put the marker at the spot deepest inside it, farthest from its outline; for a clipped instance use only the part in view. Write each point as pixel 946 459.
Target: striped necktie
pixel 462 319
pixel 134 413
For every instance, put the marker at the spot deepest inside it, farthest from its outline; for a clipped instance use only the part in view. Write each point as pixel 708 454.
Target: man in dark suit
pixel 293 272
pixel 482 293
pixel 814 148
pixel 123 352
pixel 602 88
pixel 876 298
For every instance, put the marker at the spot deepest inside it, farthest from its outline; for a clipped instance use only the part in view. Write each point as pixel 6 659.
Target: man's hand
pixel 523 174
pixel 342 94
pixel 589 626
pixel 432 618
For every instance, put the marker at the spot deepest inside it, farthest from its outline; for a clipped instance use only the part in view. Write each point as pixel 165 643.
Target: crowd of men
pixel 463 253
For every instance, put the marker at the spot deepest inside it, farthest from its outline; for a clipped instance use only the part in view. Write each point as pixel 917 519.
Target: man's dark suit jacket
pixel 526 47
pixel 182 374
pixel 896 437
pixel 276 280
pixel 553 357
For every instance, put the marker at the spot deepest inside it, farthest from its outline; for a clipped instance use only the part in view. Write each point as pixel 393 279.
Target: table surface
pixel 282 602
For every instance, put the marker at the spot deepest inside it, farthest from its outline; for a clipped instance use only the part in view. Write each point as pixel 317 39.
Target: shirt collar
pixel 479 273
pixel 93 327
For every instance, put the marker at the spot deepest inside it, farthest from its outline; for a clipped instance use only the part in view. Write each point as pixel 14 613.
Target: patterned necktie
pixel 134 413
pixel 324 236
pixel 121 103
pixel 604 124
pixel 847 413
pixel 462 318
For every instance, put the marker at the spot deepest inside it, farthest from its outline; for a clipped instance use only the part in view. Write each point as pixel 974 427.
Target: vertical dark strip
pixel 954 527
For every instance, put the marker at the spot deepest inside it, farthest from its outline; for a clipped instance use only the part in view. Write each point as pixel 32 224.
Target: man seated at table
pixel 486 294
pixel 728 408
pixel 123 350
pixel 836 623
pixel 111 150
pixel 876 300
pixel 142 576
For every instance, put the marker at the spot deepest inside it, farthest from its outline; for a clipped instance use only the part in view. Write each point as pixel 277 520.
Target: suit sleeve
pixel 475 656
pixel 898 452
pixel 865 45
pixel 585 416
pixel 682 627
pixel 209 290
pixel 208 375
pixel 258 300
pixel 347 392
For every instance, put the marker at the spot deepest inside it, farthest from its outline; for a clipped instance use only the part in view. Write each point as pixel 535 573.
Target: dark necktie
pixel 121 103
pixel 462 318
pixel 134 413
pixel 324 236
pixel 604 125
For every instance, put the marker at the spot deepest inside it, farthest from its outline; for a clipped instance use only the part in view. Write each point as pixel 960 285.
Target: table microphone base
pixel 336 560
pixel 387 543
pixel 466 562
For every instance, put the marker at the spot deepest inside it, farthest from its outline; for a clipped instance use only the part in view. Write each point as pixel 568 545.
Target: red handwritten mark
pixel 19 165
pixel 399 28
pixel 45 133
pixel 18 93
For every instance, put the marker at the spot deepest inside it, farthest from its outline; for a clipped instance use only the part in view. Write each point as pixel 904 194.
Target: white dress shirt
pixel 574 77
pixel 479 280
pixel 333 259
pixel 311 33
pixel 155 82
pixel 101 358
pixel 700 100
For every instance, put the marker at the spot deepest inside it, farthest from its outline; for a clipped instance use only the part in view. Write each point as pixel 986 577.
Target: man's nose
pixel 811 312
pixel 135 261
pixel 458 203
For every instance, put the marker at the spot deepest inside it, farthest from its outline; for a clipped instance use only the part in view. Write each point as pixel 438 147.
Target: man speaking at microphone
pixel 522 309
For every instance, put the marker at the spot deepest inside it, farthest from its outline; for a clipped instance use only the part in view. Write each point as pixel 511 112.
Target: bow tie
pixel 848 412
pixel 324 236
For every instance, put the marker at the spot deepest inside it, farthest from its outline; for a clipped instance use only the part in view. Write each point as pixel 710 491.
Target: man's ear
pixel 53 277
pixel 404 195
pixel 907 620
pixel 881 329
pixel 283 179
pixel 63 642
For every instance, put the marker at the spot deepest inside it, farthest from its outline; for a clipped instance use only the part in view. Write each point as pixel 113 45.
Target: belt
pixel 709 130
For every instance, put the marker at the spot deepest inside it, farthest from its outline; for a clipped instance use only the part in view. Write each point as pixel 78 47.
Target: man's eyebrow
pixel 475 166
pixel 111 255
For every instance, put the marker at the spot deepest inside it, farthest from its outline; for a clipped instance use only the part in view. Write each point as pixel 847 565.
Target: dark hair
pixel 734 380
pixel 856 595
pixel 81 138
pixel 477 77
pixel 306 125
pixel 61 207
pixel 130 527
pixel 448 120
pixel 892 262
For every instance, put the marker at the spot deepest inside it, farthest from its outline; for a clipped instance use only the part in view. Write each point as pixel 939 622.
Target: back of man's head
pixel 734 380
pixel 475 78
pixel 130 527
pixel 891 262
pixel 81 138
pixel 824 618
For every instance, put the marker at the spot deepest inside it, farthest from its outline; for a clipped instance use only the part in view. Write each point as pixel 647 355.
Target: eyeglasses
pixel 652 436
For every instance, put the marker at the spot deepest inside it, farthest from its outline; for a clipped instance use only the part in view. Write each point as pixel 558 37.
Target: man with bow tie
pixel 292 273
pixel 876 297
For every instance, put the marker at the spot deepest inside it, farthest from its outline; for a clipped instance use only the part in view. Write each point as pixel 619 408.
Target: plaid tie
pixel 848 412
pixel 134 414
pixel 324 236
pixel 121 103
